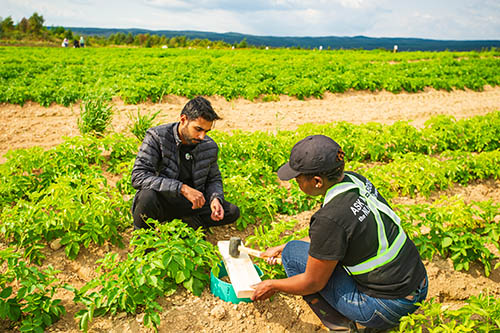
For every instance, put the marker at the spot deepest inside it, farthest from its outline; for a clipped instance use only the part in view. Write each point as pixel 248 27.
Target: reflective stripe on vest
pixel 385 253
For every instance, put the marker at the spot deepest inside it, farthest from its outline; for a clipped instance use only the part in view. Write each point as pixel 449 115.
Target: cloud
pixel 275 17
pixel 444 19
pixel 259 5
pixel 82 2
pixel 25 8
pixel 440 20
pixel 221 5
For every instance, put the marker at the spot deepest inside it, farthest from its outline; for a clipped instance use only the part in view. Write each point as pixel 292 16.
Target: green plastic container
pixel 225 290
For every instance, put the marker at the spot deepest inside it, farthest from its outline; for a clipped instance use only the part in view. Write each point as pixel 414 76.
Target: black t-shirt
pixel 346 230
pixel 186 167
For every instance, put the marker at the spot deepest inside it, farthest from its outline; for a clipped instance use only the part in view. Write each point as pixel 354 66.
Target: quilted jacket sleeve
pixel 145 173
pixel 214 187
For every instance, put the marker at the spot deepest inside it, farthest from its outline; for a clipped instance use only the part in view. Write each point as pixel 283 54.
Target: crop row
pixel 371 142
pixel 480 314
pixel 83 209
pixel 453 229
pixel 449 227
pixel 253 156
pixel 62 188
pixel 65 76
pixel 62 194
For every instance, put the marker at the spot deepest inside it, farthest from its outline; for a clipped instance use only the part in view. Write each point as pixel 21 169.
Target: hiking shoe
pixel 372 330
pixel 328 315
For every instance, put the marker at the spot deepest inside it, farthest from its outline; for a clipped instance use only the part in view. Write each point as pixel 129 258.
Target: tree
pixel 130 38
pixel 153 40
pixel 243 44
pixel 36 23
pixel 69 34
pixel 23 25
pixel 117 39
pixel 182 40
pixel 59 31
pixel 120 38
pixel 6 27
pixel 173 42
pixel 140 39
pixel 7 24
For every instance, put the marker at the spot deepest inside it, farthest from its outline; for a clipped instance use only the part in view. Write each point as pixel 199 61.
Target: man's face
pixel 193 131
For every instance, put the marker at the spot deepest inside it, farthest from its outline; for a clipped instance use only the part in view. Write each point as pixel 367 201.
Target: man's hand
pixel 194 196
pixel 217 210
pixel 263 290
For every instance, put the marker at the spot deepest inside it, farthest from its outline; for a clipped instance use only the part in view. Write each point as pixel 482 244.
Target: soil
pixel 33 125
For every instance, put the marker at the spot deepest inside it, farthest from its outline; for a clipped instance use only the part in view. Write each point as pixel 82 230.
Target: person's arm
pixel 214 187
pixel 193 195
pixel 316 276
pixel 144 172
pixel 217 210
pixel 274 252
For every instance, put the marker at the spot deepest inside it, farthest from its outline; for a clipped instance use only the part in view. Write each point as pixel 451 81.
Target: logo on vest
pixel 360 206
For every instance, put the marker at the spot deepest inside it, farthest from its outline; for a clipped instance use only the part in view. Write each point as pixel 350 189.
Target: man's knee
pixel 146 205
pixel 233 213
pixel 146 197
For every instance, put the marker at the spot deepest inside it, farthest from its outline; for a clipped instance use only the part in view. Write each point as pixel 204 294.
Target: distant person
pixel 76 44
pixel 65 43
pixel 82 41
pixel 177 175
pixel 395 49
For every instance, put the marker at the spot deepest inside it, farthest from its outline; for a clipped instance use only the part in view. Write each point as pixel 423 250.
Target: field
pixel 431 145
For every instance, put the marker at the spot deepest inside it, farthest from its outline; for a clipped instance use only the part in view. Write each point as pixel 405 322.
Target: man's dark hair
pixel 199 107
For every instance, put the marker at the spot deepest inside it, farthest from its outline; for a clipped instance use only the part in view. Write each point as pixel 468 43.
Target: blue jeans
pixel 342 293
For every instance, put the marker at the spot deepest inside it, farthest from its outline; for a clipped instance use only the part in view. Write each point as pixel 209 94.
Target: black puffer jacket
pixel 157 164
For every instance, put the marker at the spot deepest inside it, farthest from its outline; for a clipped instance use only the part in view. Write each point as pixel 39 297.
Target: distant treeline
pixel 326 42
pixel 31 30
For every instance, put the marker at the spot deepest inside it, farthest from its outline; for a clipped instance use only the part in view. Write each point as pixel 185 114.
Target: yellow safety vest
pixel 386 252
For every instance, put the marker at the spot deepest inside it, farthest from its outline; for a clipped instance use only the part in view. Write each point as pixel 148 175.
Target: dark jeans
pixel 342 293
pixel 152 204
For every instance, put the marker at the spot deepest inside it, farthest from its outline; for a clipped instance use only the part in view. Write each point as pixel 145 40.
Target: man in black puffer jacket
pixel 177 175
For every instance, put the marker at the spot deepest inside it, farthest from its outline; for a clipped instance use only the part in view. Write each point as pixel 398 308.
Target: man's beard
pixel 189 140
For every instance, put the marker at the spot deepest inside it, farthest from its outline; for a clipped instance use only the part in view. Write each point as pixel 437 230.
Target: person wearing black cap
pixel 357 256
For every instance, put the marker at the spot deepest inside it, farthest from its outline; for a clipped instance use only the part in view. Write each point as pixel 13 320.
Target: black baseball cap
pixel 313 154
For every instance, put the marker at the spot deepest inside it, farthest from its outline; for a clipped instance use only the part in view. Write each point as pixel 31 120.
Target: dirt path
pixel 22 127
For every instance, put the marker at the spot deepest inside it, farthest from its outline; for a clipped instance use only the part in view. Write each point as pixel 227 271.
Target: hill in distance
pixel 333 42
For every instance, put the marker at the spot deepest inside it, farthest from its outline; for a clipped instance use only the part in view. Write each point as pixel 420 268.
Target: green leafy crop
pixel 162 258
pixel 52 75
pixel 32 304
pixel 95 116
pixel 453 229
pixel 480 314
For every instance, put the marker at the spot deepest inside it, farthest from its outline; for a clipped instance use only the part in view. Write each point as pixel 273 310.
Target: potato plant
pixel 62 193
pixel 161 260
pixel 27 294
pixel 480 314
pixel 53 75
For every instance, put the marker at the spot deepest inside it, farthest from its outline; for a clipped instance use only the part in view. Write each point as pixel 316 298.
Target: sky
pixel 434 19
